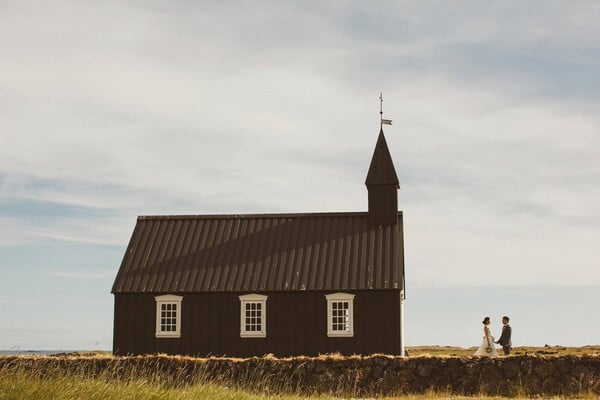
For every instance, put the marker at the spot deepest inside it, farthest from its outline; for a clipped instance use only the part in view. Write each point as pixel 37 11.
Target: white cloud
pixel 115 109
pixel 152 108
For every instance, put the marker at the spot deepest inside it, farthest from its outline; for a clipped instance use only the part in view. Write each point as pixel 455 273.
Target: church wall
pixel 296 325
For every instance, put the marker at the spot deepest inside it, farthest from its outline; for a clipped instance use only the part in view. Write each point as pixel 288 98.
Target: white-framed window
pixel 340 315
pixel 253 315
pixel 168 316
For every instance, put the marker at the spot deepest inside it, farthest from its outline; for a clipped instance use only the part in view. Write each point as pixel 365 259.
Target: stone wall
pixel 345 376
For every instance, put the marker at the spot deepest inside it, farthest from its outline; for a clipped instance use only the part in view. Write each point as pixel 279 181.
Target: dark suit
pixel 504 340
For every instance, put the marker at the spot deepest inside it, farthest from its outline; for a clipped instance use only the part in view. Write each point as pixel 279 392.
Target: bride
pixel 487 348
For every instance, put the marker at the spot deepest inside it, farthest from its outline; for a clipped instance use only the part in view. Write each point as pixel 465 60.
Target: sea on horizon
pixel 40 352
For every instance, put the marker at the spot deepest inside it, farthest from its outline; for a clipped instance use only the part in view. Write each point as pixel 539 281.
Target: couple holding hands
pixel 487 348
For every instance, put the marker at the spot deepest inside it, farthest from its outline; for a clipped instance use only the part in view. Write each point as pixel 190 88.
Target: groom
pixel 504 340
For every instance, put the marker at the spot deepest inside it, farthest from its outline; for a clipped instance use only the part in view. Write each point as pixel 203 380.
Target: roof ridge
pixel 255 215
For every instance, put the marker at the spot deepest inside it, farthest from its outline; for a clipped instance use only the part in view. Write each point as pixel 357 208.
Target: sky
pixel 114 109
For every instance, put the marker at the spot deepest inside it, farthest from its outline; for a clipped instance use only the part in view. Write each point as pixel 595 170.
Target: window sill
pixel 340 334
pixel 253 335
pixel 162 335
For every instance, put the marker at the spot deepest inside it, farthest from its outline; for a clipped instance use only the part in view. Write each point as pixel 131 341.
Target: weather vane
pixel 383 121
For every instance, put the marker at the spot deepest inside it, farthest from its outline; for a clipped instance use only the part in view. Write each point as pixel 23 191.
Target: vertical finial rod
pixel 381 120
pixel 381 110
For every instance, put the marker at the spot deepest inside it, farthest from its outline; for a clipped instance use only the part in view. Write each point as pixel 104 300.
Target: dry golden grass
pixel 416 351
pixel 25 386
pixel 149 383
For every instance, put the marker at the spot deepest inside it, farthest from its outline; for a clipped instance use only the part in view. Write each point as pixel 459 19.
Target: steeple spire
pixel 381 170
pixel 382 182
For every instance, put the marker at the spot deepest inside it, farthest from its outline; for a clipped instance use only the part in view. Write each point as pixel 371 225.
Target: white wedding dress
pixel 487 348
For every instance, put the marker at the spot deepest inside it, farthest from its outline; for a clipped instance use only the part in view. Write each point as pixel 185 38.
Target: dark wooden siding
pixel 296 325
pixel 383 205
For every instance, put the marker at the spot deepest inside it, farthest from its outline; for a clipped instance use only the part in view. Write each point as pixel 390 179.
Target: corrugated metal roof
pixel 381 170
pixel 264 252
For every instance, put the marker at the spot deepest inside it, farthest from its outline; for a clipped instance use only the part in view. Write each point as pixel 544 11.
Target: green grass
pixel 22 386
pixel 25 386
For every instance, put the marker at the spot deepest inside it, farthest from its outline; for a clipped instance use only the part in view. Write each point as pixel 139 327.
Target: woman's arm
pixel 486 330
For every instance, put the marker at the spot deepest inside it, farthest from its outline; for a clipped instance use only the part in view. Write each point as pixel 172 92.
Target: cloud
pixel 118 109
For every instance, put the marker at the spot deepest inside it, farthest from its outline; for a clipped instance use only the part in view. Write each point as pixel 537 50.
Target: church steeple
pixel 382 185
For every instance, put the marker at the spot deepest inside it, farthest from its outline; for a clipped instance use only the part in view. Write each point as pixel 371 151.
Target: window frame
pixel 168 299
pixel 335 298
pixel 253 298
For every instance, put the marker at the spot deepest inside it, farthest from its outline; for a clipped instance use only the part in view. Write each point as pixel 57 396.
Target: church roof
pixel 261 252
pixel 381 170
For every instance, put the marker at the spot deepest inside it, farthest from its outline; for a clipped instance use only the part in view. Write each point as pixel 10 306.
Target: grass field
pixel 56 385
pixel 21 386
pixel 416 351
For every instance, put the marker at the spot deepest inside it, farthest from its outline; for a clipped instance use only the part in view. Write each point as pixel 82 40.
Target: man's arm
pixel 501 336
